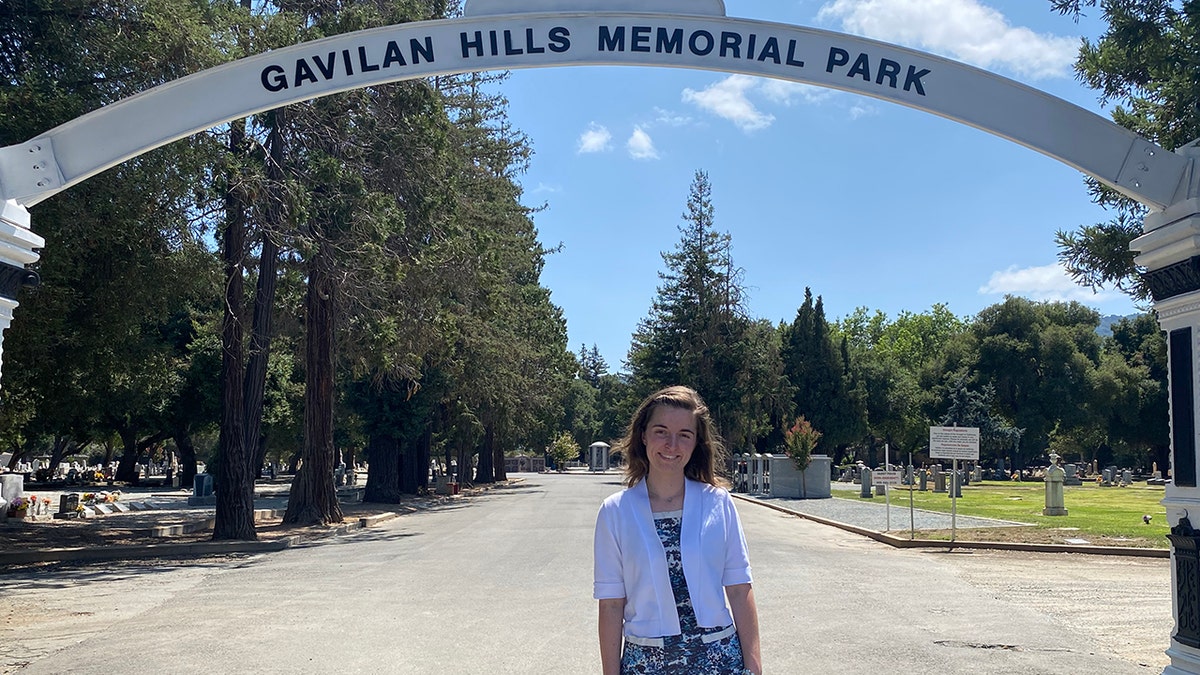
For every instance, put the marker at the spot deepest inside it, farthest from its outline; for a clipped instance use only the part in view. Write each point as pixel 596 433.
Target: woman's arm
pixel 612 619
pixel 745 617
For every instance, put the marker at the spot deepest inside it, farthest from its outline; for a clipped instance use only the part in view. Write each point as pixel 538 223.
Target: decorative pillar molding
pixel 17 244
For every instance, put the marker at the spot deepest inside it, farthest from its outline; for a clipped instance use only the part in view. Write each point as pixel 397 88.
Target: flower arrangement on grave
pixel 93 498
pixel 19 507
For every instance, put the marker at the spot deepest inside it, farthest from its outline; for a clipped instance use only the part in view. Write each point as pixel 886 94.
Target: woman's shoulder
pixel 713 491
pixel 616 499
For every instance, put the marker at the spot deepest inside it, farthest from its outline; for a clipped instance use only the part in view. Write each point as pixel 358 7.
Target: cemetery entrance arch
pixel 511 34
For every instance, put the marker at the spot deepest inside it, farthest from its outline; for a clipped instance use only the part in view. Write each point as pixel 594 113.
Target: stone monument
pixel 202 491
pixel 1054 489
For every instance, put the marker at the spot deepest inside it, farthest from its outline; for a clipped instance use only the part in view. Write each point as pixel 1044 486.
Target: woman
pixel 670 554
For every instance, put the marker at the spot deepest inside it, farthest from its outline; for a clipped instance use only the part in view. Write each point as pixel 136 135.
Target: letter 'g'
pixel 274 78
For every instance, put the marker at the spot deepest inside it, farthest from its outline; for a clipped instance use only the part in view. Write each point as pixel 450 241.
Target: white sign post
pixel 954 443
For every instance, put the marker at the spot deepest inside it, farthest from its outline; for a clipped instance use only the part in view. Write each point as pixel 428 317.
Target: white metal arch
pixel 701 39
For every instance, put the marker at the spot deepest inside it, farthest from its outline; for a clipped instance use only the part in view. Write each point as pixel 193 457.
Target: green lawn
pixel 1105 516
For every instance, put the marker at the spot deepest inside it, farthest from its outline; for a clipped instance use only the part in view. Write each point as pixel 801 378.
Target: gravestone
pixel 202 491
pixel 12 486
pixel 977 474
pixel 1106 478
pixel 908 475
pixel 1126 477
pixel 1054 489
pixel 68 506
pixel 939 480
pixel 866 483
pixel 923 480
pixel 956 482
pixel 1072 475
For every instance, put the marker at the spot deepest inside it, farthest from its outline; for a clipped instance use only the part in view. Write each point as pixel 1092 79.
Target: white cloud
pixel 728 99
pixel 543 188
pixel 861 110
pixel 596 138
pixel 1047 282
pixel 640 145
pixel 670 118
pixel 786 93
pixel 965 30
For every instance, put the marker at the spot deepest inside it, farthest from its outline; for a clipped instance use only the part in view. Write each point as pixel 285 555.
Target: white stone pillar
pixel 1170 252
pixel 17 244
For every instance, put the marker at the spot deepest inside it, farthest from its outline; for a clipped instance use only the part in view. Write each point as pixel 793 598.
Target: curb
pixel 898 542
pixel 145 551
pixel 194 549
pixel 206 524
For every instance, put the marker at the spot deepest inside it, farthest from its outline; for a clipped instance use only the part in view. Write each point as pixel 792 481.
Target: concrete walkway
pixel 501 583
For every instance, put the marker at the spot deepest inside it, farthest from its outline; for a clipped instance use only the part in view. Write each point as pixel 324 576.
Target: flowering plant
pixel 19 507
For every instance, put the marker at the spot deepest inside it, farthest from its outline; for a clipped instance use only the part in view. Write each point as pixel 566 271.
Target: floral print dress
pixel 688 653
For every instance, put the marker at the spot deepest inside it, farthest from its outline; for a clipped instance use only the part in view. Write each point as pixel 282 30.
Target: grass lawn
pixel 1103 516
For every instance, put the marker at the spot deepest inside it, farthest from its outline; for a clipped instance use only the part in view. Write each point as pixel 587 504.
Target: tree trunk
pixel 383 479
pixel 485 472
pixel 125 470
pixel 61 443
pixel 498 460
pixel 314 498
pixel 264 297
pixel 409 469
pixel 187 459
pixel 464 466
pixel 424 448
pixel 235 486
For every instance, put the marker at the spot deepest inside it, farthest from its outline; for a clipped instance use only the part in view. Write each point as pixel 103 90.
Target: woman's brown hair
pixel 708 459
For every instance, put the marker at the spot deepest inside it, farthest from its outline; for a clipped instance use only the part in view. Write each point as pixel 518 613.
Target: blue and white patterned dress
pixel 688 653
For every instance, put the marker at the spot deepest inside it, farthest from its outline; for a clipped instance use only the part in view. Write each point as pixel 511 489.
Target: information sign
pixel 887 477
pixel 954 442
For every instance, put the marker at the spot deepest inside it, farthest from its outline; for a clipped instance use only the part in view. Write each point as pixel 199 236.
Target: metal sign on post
pixel 887 477
pixel 954 443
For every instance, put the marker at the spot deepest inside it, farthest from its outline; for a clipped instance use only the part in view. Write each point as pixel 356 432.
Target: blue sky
pixel 866 202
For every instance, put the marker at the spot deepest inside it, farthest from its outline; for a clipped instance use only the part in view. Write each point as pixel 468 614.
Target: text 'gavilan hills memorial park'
pixel 282 390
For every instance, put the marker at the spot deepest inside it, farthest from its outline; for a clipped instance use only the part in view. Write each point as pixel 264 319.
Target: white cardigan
pixel 630 562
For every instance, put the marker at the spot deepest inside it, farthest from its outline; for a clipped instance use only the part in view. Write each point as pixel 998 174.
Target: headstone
pixel 202 491
pixel 1072 475
pixel 12 486
pixel 922 480
pixel 1126 477
pixel 1106 478
pixel 68 506
pixel 1054 489
pixel 866 483
pixel 939 480
pixel 977 475
pixel 956 483
pixel 908 475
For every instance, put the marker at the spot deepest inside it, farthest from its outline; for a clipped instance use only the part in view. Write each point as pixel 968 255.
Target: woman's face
pixel 670 438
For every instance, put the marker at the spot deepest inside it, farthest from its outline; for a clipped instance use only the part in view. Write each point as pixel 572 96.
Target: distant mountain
pixel 1106 322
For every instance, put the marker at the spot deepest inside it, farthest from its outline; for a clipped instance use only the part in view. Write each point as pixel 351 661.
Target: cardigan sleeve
pixel 608 580
pixel 737 556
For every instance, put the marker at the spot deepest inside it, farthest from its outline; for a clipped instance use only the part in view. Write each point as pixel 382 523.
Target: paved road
pixel 501 584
